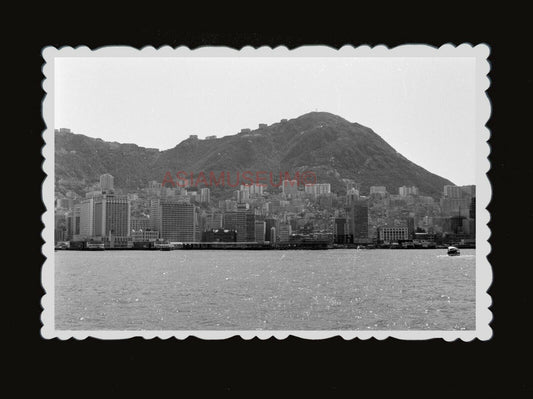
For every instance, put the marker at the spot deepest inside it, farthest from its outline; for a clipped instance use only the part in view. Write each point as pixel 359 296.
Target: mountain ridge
pixel 326 144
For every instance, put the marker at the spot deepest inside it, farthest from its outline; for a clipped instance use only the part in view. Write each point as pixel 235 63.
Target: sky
pixel 423 107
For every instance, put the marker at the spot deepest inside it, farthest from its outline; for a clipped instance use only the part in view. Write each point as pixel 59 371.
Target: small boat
pixel 165 247
pixel 453 251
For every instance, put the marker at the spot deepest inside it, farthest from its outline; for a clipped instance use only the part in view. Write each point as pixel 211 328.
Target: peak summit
pixel 321 116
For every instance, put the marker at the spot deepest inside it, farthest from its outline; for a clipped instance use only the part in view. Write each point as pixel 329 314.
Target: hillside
pixel 320 142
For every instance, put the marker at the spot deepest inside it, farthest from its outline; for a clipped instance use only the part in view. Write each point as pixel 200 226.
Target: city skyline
pixel 309 216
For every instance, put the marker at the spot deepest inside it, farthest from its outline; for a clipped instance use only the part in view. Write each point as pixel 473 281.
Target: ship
pixel 453 251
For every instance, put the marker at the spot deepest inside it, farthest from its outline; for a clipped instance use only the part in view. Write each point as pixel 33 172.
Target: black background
pixel 371 367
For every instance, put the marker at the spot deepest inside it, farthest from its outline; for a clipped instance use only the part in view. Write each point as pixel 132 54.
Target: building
pixel 64 203
pixel 176 221
pixel 459 191
pixel 205 195
pixel 87 217
pixel 219 235
pixel 73 222
pixel 357 215
pixel 273 236
pixel 340 231
pixel 290 187
pixel 469 191
pixel 393 234
pixel 352 196
pixel 262 125
pixel 111 216
pixel 284 232
pixel 260 231
pixel 214 220
pixel 252 189
pixel 404 191
pixel 144 235
pixel 236 220
pixel 451 206
pixel 139 223
pixel 250 227
pixel 382 190
pixel 318 189
pixel 213 137
pixel 107 183
pixel 270 224
pixel 472 210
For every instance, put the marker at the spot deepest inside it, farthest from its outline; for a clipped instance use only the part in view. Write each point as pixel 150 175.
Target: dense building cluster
pixel 307 215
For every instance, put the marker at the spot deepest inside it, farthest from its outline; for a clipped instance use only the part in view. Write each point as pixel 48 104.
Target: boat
pixel 163 246
pixel 453 251
pixel 95 246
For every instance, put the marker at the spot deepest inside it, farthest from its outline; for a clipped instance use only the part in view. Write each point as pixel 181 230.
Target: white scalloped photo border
pixel 480 52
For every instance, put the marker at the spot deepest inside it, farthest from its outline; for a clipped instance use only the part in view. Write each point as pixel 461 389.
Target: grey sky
pixel 423 107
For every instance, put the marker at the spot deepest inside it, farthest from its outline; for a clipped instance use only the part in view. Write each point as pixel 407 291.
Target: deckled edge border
pixel 480 52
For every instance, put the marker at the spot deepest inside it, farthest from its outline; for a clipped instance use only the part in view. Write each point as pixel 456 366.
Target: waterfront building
pixel 340 231
pixel 260 231
pixel 86 217
pixel 270 223
pixel 451 206
pixel 357 215
pixel 219 235
pixel 144 235
pixel 214 220
pixel 284 232
pixel 393 234
pixel 139 223
pixel 176 221
pixel 107 183
pixel 73 222
pixel 457 224
pixel 250 227
pixel 111 215
pixel 236 220
pixel 273 237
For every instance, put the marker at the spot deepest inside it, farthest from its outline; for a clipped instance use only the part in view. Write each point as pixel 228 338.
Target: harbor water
pixel 341 289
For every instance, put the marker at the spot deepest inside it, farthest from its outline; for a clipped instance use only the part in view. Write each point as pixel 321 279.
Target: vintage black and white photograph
pixel 266 192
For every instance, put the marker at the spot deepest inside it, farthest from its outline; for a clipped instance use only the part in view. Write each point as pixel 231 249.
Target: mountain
pixel 326 144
